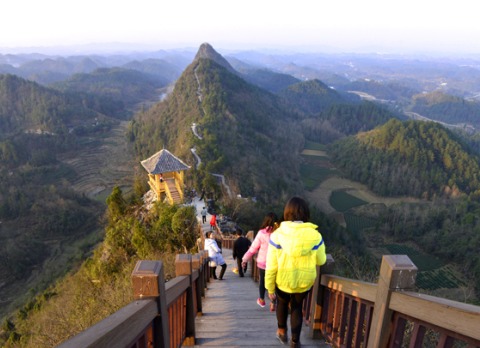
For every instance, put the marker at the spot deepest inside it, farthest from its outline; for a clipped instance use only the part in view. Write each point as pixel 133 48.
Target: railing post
pixel 207 267
pixel 255 272
pixel 183 267
pixel 318 293
pixel 197 265
pixel 203 270
pixel 149 281
pixel 397 272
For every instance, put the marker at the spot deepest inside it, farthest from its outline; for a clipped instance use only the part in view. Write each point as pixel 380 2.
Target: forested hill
pixel 41 217
pixel 412 158
pixel 246 134
pixel 26 106
pixel 311 97
pixel 446 108
pixel 327 115
pixel 114 91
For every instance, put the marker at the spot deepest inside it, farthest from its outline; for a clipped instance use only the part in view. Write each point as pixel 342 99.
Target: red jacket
pixel 213 220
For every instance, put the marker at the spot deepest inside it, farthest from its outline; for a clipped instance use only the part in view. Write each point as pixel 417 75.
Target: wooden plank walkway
pixel 232 318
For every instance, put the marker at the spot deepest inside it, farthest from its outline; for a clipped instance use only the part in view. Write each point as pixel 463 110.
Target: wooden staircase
pixel 174 194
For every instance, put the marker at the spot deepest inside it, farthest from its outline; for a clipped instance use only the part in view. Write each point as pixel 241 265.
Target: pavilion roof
pixel 163 162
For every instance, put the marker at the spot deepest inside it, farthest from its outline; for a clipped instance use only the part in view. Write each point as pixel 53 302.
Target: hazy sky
pixel 347 25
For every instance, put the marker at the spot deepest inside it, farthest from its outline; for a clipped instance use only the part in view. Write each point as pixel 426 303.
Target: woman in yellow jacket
pixel 295 249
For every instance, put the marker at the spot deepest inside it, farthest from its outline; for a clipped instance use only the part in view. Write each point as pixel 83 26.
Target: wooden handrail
pixel 453 316
pixel 162 314
pixel 119 329
pixel 345 312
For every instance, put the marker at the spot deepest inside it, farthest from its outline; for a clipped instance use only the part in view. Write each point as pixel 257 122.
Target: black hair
pixel 296 209
pixel 239 232
pixel 269 221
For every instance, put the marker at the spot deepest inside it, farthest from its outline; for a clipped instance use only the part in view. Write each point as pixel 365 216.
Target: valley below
pixel 101 163
pixel 352 205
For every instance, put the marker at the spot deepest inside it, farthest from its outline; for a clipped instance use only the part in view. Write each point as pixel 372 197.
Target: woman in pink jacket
pixel 260 245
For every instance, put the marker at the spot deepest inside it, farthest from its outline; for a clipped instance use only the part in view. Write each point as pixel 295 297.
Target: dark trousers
pixel 204 219
pixel 261 284
pixel 296 317
pixel 213 270
pixel 241 270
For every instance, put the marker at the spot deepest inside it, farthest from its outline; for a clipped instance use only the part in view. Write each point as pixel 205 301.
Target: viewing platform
pixel 192 310
pixel 232 318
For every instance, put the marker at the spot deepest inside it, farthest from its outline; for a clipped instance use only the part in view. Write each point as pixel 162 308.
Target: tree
pixel 116 204
pixel 184 226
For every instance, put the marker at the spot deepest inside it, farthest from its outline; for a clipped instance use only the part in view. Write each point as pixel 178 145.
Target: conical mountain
pixel 245 133
pixel 206 51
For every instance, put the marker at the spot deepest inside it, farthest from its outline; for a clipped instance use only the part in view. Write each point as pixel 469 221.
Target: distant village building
pixel 166 176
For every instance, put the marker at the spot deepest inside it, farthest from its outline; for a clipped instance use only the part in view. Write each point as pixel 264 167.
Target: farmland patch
pixel 432 273
pixel 341 201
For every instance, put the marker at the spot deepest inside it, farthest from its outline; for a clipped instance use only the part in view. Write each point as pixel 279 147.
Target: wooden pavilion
pixel 166 176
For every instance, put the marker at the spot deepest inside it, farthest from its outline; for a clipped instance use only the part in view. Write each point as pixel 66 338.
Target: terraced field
pixel 102 164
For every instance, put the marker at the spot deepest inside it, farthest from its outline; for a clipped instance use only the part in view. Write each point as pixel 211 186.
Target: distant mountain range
pixel 49 69
pixel 244 126
pixel 253 114
pixel 238 104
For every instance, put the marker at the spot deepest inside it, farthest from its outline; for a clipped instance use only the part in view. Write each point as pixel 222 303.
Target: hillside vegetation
pixel 311 97
pixel 439 235
pixel 446 230
pixel 55 154
pixel 246 135
pixel 327 115
pixel 113 91
pixel 446 108
pixel 102 284
pixel 412 158
pixel 46 224
pixel 28 107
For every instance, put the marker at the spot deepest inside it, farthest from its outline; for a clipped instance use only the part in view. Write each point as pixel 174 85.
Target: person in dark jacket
pixel 240 247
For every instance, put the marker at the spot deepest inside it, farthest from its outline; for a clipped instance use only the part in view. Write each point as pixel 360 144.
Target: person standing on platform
pixel 295 250
pixel 240 247
pixel 215 256
pixel 204 215
pixel 213 222
pixel 260 246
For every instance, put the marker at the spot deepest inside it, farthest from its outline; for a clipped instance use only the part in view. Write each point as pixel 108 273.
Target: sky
pixel 306 25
